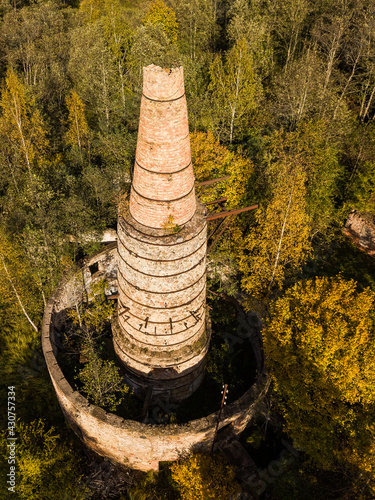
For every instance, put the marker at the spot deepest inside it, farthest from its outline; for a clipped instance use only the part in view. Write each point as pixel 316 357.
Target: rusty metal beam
pixel 230 212
pixel 216 229
pixel 112 297
pixel 212 181
pixel 220 200
pixel 228 221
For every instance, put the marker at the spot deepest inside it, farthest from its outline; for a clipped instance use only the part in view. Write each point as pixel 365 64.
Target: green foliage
pixel 102 382
pixel 235 88
pixel 155 486
pixel 170 226
pixel 316 149
pixel 21 123
pixel 45 466
pixel 319 345
pixel 290 83
pixel 18 282
pixel 197 20
pixel 91 317
pixel 78 128
pixel 362 190
pixel 217 362
pixel 101 379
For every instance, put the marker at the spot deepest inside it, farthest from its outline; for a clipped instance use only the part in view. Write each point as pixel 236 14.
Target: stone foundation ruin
pixel 157 270
pixel 127 442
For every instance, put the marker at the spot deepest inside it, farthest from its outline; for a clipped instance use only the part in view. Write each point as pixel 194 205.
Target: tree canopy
pixel 319 343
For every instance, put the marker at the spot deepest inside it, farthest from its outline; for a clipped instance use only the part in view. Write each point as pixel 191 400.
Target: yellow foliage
pixel 45 467
pixel 170 226
pixel 92 9
pixel 320 350
pixel 21 123
pixel 78 129
pixel 17 277
pixel 212 160
pixel 281 235
pixel 204 477
pixel 113 17
pixel 159 13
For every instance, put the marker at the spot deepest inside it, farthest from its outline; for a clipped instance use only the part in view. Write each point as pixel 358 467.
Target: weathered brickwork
pixel 160 334
pixel 126 442
pixel 161 331
pixel 163 180
pixel 360 228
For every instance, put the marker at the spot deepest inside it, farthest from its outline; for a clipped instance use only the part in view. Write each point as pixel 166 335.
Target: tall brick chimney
pixel 160 334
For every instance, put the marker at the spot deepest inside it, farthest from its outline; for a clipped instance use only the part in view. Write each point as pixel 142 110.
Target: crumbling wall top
pixel 161 84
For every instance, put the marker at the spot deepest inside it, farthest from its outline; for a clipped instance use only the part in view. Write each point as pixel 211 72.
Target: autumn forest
pixel 281 98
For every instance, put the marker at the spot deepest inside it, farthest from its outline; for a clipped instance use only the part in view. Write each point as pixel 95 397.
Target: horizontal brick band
pixel 164 275
pixel 181 363
pixel 170 336
pixel 122 221
pixel 164 308
pixel 164 322
pixel 164 156
pixel 159 83
pixel 159 260
pixel 154 214
pixel 162 293
pixel 197 330
pixel 162 173
pixel 163 201
pixel 163 330
pixel 164 100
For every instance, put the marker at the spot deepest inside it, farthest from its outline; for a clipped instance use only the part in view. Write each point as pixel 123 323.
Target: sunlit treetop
pixel 320 350
pixel 159 13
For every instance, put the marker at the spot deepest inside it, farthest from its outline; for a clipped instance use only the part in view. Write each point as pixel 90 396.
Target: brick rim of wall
pixel 163 442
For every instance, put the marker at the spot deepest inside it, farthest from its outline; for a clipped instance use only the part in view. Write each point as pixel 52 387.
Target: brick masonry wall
pixel 361 229
pixel 127 442
pixel 161 329
pixel 163 179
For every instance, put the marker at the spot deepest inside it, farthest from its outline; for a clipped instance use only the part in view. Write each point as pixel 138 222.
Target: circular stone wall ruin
pixel 127 442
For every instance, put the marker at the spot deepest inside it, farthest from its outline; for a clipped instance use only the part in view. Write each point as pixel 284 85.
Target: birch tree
pixel 330 34
pixel 253 22
pixel 279 242
pixel 95 77
pixel 198 26
pixel 21 124
pixel 299 90
pixel 289 19
pixel 235 88
pixel 113 18
pixel 17 281
pixel 78 130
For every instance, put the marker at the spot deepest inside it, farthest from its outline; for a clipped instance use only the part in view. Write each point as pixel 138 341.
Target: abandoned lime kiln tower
pixel 159 270
pixel 160 332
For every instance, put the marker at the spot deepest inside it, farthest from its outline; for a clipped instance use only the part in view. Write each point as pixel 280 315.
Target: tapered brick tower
pixel 160 334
